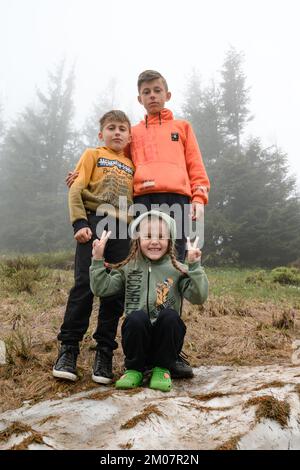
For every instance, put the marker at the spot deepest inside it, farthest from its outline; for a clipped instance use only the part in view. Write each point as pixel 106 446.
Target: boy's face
pixel 116 135
pixel 153 96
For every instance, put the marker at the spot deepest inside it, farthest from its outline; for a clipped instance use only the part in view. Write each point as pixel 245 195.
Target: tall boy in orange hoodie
pixel 168 164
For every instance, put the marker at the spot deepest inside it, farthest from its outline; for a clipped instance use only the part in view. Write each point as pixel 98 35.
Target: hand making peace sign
pixel 194 253
pixel 99 245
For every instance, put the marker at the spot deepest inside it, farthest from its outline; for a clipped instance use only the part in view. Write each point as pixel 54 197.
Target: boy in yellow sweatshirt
pixel 104 175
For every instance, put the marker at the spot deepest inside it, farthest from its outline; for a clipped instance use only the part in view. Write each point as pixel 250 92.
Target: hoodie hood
pixel 171 224
pixel 163 116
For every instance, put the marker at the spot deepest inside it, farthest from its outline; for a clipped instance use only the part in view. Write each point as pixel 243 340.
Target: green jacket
pixel 150 285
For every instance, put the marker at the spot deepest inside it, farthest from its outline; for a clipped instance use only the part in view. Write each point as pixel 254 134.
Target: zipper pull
pixel 149 269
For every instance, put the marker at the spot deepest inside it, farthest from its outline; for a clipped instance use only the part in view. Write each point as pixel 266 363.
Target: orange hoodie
pixel 167 158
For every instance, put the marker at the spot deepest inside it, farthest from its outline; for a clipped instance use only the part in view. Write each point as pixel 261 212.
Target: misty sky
pixel 121 38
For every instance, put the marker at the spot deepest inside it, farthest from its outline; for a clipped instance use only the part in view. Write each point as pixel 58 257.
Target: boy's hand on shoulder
pixel 71 177
pixel 99 245
pixel 83 235
pixel 193 252
pixel 197 210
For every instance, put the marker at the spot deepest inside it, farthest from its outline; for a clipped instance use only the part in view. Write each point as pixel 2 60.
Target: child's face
pixel 154 238
pixel 153 96
pixel 116 135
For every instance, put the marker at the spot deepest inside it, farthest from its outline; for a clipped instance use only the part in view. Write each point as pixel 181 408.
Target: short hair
pixel 148 76
pixel 114 115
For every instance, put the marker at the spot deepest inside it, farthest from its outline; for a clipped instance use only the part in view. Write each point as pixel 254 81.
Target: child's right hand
pixel 99 245
pixel 83 235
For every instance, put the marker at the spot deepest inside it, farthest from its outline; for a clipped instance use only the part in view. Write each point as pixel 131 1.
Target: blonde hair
pixel 114 115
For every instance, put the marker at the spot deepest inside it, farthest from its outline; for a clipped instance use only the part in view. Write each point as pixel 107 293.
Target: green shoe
pixel 130 379
pixel 161 379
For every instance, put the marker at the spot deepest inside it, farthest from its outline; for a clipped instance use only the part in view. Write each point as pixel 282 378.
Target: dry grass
pixel 269 407
pixel 128 445
pixel 286 320
pixel 275 384
pixel 211 396
pixel 18 428
pixel 205 409
pixel 14 428
pixel 146 414
pixel 99 396
pixel 297 390
pixel 228 330
pixel 48 419
pixel 235 332
pixel 34 438
pixel 231 444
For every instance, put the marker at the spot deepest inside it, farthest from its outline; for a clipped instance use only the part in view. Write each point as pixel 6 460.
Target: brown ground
pixel 223 332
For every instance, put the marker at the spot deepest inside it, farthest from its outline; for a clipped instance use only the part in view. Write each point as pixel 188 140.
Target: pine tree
pixel 202 109
pixel 235 98
pixel 37 150
pixel 105 102
pixel 252 218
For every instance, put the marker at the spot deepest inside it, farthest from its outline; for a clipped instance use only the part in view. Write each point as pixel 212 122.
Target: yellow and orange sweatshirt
pixel 104 176
pixel 167 158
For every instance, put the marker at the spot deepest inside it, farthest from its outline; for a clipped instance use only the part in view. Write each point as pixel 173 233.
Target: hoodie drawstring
pixel 146 120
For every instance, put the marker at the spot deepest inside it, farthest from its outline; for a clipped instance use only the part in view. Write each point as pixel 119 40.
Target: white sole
pixel 59 374
pixel 101 380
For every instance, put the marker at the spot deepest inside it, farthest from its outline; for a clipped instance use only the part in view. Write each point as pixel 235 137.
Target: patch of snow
pixel 186 419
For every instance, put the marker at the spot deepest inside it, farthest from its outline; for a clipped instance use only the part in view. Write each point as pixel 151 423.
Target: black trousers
pixel 182 220
pixel 80 302
pixel 156 345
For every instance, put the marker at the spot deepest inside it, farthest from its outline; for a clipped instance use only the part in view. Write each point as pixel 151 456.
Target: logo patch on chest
pixel 174 136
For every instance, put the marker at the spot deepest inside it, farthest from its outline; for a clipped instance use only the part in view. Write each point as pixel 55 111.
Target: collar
pixel 158 118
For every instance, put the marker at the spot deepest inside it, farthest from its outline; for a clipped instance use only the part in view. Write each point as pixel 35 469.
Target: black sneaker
pixel 102 368
pixel 65 366
pixel 181 369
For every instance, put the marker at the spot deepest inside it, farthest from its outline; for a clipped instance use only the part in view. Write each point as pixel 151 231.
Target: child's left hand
pixel 194 253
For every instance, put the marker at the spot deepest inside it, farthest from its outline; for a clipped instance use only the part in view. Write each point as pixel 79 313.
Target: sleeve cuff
pixel 194 266
pixel 200 198
pixel 79 224
pixel 98 263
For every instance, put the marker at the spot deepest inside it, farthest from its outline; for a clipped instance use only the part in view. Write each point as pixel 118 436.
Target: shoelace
pixel 68 357
pixel 183 356
pixel 102 361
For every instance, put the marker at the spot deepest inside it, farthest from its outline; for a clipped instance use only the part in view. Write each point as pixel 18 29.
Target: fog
pixel 120 39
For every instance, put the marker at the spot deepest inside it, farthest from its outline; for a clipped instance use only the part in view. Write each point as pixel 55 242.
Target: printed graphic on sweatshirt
pixel 133 289
pixel 107 163
pixel 174 136
pixel 116 181
pixel 162 294
pixel 162 291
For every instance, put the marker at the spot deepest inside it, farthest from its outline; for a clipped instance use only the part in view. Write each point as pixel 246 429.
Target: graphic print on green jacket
pixel 150 285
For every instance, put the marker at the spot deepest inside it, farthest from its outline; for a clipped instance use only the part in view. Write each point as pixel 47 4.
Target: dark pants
pixel 146 344
pixel 80 302
pixel 182 220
